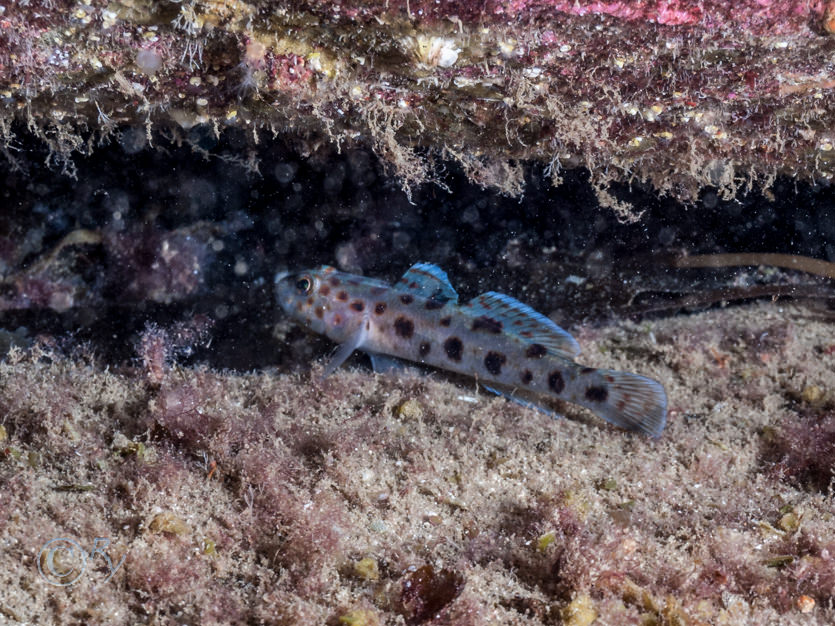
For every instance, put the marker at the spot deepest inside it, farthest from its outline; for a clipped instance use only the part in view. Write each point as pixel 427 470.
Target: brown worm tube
pixel 787 261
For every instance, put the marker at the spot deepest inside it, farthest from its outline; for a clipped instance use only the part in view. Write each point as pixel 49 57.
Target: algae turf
pixel 212 497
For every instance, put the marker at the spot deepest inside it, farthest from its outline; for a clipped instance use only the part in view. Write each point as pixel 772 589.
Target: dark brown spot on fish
pixel 587 370
pixel 556 382
pixel 424 348
pixel 525 333
pixel 536 351
pixel 342 296
pixel 610 378
pixel 320 312
pixel 487 323
pixel 445 321
pixel 324 290
pixel 404 327
pixel 337 319
pixel 380 308
pixel 597 394
pixel 334 281
pixel 413 285
pixel 310 302
pixel 433 304
pixel 527 377
pixel 493 362
pixel 453 348
pixel 358 306
pixel 407 298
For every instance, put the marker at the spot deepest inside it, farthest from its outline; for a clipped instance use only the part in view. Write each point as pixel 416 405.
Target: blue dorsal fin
pixel 428 281
pixel 522 321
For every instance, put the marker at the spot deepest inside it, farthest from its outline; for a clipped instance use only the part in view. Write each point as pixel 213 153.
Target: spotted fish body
pixel 501 341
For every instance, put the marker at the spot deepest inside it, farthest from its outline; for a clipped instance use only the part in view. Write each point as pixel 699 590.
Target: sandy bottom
pixel 188 496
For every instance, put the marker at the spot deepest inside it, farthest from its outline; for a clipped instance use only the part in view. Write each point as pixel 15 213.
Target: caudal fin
pixel 630 401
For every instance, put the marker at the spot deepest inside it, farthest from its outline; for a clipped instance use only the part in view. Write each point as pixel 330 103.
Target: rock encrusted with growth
pixel 362 499
pixel 680 94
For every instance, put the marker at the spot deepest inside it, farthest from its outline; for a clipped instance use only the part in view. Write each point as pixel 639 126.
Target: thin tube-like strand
pixel 787 261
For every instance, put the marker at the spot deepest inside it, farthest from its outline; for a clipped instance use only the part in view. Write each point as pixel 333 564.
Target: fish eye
pixel 304 284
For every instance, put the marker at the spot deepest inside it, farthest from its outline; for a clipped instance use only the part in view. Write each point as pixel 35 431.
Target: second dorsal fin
pixel 503 313
pixel 428 281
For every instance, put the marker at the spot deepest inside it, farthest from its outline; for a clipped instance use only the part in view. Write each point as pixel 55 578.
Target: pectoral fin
pixel 344 351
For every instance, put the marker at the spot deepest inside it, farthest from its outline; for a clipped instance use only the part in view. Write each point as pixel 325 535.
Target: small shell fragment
pixel 805 604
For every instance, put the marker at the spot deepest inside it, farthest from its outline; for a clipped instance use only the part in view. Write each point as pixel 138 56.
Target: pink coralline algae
pixel 755 16
pixel 670 13
pixel 748 16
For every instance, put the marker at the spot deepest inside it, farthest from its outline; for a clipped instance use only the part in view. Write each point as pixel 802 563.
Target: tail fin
pixel 630 401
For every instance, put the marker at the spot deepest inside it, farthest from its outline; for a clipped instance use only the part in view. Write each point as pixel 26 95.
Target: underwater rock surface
pixel 168 451
pixel 166 429
pixel 681 95
pixel 365 499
